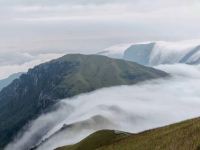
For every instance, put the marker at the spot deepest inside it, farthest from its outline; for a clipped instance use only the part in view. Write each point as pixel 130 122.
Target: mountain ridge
pixel 44 85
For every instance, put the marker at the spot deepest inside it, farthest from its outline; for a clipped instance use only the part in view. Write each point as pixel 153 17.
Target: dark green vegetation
pixel 180 136
pixel 35 92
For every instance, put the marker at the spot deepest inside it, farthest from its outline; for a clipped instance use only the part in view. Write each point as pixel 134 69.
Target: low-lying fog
pixel 128 108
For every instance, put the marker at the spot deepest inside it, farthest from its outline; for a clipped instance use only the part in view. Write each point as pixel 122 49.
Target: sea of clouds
pixel 132 109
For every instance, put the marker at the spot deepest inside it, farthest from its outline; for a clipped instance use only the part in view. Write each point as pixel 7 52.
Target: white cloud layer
pixel 129 108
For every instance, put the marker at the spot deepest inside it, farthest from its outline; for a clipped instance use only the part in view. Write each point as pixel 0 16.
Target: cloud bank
pixel 128 108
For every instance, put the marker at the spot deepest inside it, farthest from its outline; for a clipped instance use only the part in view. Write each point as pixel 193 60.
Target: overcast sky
pixel 91 25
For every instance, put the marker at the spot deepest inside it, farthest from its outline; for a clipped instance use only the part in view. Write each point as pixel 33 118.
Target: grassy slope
pixel 180 136
pixel 99 71
pixel 95 140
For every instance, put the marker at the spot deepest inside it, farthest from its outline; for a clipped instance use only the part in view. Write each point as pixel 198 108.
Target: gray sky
pixel 34 31
pixel 89 25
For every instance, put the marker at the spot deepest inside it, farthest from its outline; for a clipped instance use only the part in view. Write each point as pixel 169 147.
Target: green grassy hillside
pixel 180 136
pixel 96 140
pixel 43 86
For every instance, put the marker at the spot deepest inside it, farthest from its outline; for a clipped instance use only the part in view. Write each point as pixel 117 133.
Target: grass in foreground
pixel 96 140
pixel 180 136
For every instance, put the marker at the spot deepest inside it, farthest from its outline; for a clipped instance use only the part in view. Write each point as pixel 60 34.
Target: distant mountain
pixel 140 53
pixel 7 81
pixel 163 53
pixel 180 136
pixel 156 53
pixel 43 86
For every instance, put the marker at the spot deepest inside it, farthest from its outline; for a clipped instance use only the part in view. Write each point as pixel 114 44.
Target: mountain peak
pixel 73 74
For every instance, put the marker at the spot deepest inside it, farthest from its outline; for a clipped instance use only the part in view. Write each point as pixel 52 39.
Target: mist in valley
pixel 132 109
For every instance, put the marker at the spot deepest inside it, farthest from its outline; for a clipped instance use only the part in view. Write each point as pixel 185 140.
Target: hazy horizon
pixel 86 26
pixel 34 31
